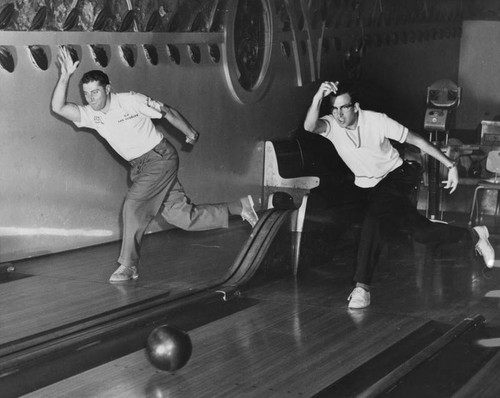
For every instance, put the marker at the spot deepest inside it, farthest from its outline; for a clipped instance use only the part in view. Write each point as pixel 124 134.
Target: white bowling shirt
pixel 367 150
pixel 127 126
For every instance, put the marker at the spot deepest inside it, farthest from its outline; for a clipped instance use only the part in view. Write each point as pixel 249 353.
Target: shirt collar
pixel 360 118
pixel 355 134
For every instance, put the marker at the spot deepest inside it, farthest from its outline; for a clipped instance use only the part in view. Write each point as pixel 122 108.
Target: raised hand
pixel 65 61
pixel 327 88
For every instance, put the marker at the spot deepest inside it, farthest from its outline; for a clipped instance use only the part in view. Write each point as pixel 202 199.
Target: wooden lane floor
pixel 65 288
pixel 272 349
pixel 300 338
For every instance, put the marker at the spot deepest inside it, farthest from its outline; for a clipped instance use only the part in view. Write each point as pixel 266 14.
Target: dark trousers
pixel 388 208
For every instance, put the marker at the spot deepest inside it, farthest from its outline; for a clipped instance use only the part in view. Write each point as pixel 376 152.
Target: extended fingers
pixel 63 52
pixel 332 85
pixel 66 61
pixel 63 55
pixel 450 184
pixel 453 187
pixel 329 87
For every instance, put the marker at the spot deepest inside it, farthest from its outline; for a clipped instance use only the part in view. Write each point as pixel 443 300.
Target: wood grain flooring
pixel 300 337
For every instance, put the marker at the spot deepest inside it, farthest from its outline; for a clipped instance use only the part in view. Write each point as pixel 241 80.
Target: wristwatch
pixel 453 164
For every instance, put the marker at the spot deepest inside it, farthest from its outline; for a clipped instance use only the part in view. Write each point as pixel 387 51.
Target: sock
pixel 363 286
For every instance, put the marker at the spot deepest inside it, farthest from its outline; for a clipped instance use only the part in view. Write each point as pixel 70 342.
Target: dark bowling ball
pixel 283 201
pixel 168 348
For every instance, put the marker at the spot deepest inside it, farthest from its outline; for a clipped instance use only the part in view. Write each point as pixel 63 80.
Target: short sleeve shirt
pixel 367 150
pixel 127 126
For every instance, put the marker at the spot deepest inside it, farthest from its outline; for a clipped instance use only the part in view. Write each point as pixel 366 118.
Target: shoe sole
pixel 132 278
pixel 358 308
pixel 252 211
pixel 488 263
pixel 124 280
pixel 483 233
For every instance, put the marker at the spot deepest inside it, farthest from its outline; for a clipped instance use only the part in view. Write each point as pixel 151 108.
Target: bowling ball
pixel 168 348
pixel 283 201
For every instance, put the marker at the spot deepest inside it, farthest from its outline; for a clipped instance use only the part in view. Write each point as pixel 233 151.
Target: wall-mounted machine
pixel 442 97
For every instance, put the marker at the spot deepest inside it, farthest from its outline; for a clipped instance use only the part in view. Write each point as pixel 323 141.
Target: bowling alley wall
pixel 241 71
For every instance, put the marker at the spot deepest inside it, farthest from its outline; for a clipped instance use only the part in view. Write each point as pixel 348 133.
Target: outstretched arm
pixel 313 123
pixel 178 121
pixel 59 103
pixel 425 146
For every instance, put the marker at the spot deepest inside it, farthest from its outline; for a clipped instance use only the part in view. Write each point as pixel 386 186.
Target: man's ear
pixel 108 88
pixel 356 107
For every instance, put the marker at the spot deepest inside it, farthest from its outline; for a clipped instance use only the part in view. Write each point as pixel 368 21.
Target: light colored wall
pixel 63 188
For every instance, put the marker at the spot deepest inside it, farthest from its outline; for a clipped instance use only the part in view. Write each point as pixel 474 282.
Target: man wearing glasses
pixel 362 139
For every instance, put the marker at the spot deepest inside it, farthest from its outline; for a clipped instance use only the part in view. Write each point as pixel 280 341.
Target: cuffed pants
pixel 388 207
pixel 155 187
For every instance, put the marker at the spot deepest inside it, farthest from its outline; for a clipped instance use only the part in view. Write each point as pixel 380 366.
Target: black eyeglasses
pixel 343 108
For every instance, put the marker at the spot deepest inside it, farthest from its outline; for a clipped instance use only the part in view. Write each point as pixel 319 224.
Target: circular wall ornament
pixel 247 49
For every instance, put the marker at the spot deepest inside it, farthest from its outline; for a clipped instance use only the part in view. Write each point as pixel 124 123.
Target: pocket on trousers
pixel 161 149
pixel 164 150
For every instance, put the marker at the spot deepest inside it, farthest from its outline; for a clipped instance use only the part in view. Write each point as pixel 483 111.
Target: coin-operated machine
pixel 443 97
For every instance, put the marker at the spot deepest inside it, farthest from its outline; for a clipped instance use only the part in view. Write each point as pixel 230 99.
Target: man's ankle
pixel 363 286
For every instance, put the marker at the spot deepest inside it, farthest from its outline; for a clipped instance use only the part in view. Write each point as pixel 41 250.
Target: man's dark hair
pixel 345 87
pixel 95 76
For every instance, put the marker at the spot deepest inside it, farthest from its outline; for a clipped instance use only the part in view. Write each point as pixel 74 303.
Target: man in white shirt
pixel 362 139
pixel 124 120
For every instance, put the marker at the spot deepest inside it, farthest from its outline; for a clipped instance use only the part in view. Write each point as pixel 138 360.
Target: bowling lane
pixel 67 288
pixel 295 336
pixel 283 346
pixel 299 338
